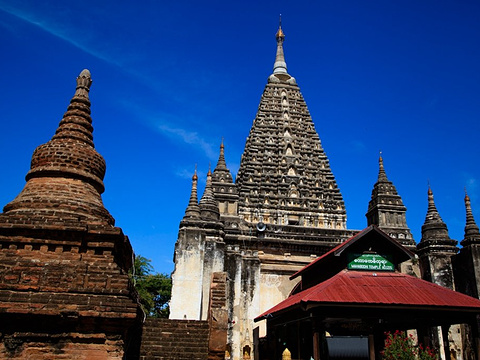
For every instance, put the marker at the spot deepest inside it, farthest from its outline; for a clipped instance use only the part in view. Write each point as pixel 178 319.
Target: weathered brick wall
pixel 218 317
pixel 174 339
pixel 65 294
pixel 76 271
pixel 79 346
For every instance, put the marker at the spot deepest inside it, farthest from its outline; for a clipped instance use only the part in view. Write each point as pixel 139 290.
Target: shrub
pixel 399 346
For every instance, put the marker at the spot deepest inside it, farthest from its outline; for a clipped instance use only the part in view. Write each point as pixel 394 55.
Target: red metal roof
pixel 380 288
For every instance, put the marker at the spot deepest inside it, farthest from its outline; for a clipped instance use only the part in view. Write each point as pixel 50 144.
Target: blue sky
pixel 170 79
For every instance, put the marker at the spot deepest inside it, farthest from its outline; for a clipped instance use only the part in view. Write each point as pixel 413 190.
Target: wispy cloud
pixel 63 24
pixel 189 137
pixel 161 122
pixel 115 48
pixel 75 37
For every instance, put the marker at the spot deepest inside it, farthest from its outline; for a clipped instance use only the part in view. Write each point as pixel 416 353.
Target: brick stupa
pixel 64 286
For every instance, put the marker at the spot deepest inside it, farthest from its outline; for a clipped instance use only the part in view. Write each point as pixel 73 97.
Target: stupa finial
pixel 280 66
pixel 382 175
pixel 84 81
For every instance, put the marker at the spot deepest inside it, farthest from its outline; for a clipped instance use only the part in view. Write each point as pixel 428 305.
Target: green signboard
pixel 370 262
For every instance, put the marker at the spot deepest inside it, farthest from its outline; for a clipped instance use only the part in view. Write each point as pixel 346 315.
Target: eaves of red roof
pixel 327 254
pixel 339 248
pixel 380 288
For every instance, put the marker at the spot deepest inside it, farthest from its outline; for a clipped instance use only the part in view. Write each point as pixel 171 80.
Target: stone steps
pixel 174 340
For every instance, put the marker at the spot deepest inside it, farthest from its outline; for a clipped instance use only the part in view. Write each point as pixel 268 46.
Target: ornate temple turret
pixel 224 189
pixel 285 176
pixel 208 203
pixel 193 210
pixel 199 252
pixel 435 249
pixel 467 262
pixel 472 233
pixel 64 264
pixel 386 210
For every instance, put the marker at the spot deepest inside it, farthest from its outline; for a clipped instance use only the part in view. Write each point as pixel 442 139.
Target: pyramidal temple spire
pixel 285 176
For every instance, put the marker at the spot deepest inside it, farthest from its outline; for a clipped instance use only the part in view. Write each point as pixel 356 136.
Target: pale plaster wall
pixel 274 288
pixel 187 283
pixel 213 262
pixel 269 274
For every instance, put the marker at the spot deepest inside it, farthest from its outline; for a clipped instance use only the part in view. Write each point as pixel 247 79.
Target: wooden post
pixel 317 338
pixel 316 345
pixel 371 347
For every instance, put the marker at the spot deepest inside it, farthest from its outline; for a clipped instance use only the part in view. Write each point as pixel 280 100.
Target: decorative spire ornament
pixel 386 209
pixel 193 210
pixel 221 164
pixel 472 233
pixel 434 229
pixel 432 213
pixel 382 176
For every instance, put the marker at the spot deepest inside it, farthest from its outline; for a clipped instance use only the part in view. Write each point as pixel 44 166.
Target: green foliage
pixel 399 346
pixel 154 289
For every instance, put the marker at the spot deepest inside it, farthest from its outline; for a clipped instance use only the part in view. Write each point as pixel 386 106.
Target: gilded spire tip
pixel 467 198
pixel 280 35
pixel 195 176
pixel 280 66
